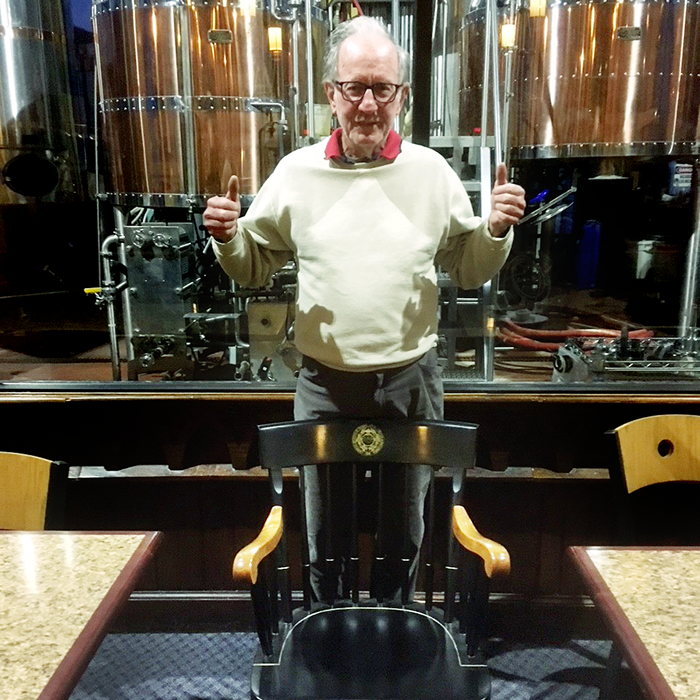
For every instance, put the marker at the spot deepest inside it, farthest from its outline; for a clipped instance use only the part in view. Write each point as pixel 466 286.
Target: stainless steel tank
pixel 192 91
pixel 596 78
pixel 38 155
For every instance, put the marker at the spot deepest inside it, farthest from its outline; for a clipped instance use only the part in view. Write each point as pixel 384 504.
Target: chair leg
pixel 477 627
pixel 305 557
pixel 263 615
pixel 612 673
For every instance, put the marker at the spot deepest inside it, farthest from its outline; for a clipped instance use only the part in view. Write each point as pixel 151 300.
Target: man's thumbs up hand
pixel 507 203
pixel 501 174
pixel 221 215
pixel 232 192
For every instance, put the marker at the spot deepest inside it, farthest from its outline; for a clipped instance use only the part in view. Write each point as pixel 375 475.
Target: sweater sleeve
pixel 468 252
pixel 261 244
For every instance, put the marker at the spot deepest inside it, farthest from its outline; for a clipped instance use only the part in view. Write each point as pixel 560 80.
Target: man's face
pixel 367 59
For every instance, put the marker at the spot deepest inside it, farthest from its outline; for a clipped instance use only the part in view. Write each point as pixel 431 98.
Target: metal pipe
pixel 126 298
pixel 486 76
pixel 273 106
pixel 95 116
pixel 108 284
pixel 548 205
pixel 507 101
pixel 310 119
pixel 688 313
pixel 496 89
pixel 435 101
pixel 443 77
pixel 182 29
pixel 295 86
pixel 290 16
pixel 438 86
pixel 489 326
pixel 395 21
pixel 268 106
pixel 488 321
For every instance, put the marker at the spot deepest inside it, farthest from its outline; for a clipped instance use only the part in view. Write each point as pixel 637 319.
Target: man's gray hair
pixel 365 26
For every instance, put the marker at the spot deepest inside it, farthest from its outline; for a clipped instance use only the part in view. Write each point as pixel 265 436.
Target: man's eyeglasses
pixel 354 92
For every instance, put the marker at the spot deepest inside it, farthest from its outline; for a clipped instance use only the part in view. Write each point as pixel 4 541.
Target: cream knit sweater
pixel 366 239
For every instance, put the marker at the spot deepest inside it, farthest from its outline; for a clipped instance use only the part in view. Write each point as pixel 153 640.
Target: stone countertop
pixel 51 585
pixel 658 590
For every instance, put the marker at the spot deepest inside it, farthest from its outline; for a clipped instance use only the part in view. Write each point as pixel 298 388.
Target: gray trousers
pixel 414 391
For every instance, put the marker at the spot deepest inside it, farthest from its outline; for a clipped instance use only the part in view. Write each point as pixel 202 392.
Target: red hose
pixel 519 341
pixel 574 332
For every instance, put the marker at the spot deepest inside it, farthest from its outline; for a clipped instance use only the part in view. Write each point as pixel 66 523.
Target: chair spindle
pixel 379 558
pixel 450 580
pixel 429 552
pixel 305 555
pixel 452 563
pixel 405 538
pixel 354 545
pixel 331 570
pixel 272 575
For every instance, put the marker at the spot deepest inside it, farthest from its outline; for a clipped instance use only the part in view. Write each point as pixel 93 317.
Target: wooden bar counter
pixel 541 484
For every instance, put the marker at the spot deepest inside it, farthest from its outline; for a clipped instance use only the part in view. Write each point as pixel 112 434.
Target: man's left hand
pixel 507 203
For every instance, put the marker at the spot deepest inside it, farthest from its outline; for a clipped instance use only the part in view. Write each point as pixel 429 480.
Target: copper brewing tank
pixel 191 92
pixel 596 78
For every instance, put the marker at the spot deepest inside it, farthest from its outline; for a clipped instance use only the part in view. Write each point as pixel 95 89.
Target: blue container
pixel 587 255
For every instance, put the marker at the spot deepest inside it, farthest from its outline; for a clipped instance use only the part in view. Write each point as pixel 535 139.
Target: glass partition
pixel 107 275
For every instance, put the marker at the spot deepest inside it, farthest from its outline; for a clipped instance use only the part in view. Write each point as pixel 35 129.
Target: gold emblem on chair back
pixel 367 440
pixel 659 449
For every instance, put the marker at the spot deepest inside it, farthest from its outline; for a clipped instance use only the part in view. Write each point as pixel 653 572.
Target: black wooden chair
pixel 32 492
pixel 355 646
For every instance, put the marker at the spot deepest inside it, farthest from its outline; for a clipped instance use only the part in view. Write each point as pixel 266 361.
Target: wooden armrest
pixel 245 565
pixel 495 556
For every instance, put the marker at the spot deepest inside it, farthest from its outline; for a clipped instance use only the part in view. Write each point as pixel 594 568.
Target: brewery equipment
pixel 599 92
pixel 190 93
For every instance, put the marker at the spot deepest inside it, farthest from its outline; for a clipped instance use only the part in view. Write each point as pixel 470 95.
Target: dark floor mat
pixel 217 667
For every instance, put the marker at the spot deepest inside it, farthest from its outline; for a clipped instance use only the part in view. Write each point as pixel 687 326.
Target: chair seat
pixel 370 652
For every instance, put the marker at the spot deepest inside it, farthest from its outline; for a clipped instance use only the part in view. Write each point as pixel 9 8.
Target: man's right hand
pixel 221 214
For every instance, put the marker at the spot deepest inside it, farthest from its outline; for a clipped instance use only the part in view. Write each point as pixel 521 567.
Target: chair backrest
pixel 32 492
pixel 659 449
pixel 435 443
pixel 357 445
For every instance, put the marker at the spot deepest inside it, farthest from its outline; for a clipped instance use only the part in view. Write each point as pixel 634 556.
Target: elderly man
pixel 367 217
